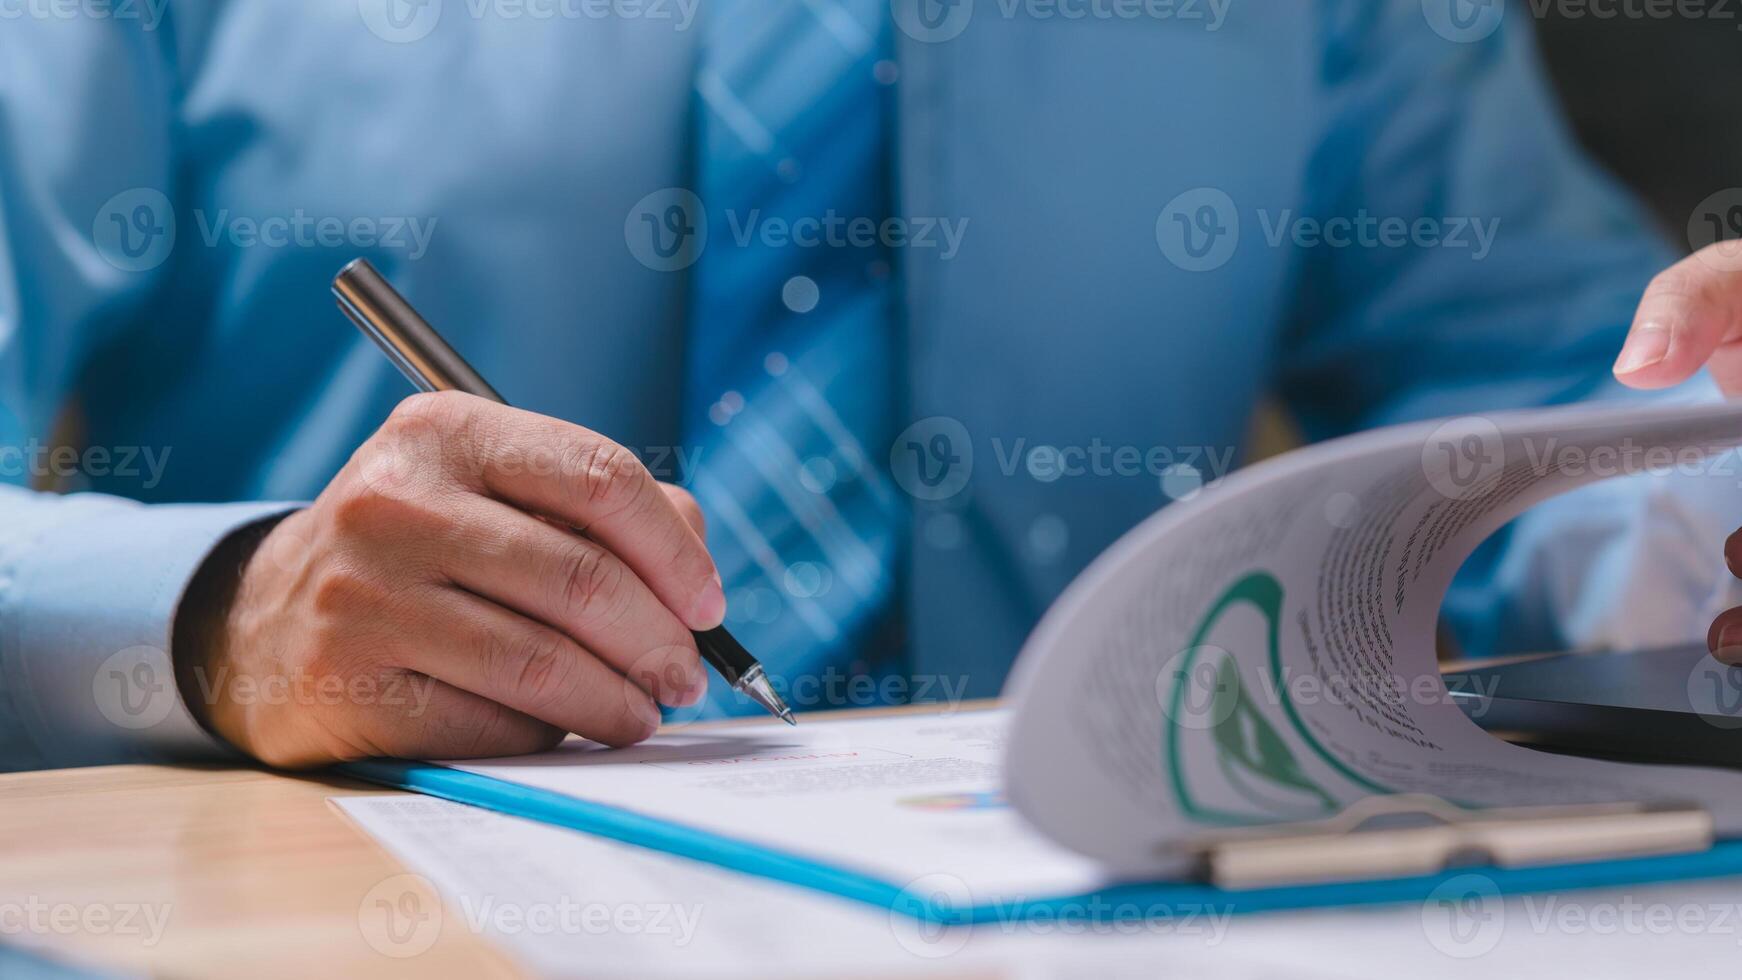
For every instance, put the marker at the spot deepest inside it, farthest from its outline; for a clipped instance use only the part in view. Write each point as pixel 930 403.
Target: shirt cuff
pixel 88 611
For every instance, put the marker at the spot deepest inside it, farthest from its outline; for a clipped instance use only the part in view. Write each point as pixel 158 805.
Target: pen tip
pixel 756 686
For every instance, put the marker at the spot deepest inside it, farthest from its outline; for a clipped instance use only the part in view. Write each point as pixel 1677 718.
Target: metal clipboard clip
pixel 1407 835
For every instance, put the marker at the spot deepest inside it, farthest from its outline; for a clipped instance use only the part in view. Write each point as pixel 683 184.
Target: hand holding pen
pixel 428 362
pixel 434 601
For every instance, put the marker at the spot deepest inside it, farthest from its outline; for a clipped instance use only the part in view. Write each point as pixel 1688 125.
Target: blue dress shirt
pixel 1119 232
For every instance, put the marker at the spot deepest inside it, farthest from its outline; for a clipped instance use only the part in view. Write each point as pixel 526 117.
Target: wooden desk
pixel 250 872
pixel 257 874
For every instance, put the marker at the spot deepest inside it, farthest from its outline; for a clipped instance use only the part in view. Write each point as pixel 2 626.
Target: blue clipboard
pixel 1158 898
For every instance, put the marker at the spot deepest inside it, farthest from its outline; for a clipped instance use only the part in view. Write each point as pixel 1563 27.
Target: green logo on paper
pixel 1228 762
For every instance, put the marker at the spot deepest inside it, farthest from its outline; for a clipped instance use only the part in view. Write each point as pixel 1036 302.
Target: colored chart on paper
pixel 988 800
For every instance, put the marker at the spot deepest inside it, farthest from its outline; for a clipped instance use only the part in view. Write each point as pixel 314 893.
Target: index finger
pixel 1688 315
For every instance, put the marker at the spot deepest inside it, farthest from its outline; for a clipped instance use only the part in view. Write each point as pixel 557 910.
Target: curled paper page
pixel 1265 652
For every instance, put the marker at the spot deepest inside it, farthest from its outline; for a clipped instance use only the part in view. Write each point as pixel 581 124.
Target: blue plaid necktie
pixel 792 356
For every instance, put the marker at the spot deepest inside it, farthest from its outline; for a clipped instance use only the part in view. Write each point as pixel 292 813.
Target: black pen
pixel 426 359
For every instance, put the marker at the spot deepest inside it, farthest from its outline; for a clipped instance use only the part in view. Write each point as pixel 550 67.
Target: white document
pixel 1266 652
pixel 566 904
pixel 899 798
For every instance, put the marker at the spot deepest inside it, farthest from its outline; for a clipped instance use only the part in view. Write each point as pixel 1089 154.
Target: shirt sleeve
pixel 88 596
pixel 1527 306
pixel 88 583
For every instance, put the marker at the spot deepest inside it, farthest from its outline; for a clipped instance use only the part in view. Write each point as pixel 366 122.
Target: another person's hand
pixel 433 601
pixel 1691 318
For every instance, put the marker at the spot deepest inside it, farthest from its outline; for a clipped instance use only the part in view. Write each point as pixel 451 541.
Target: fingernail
pixel 688 682
pixel 693 694
pixel 645 710
pixel 710 608
pixel 1647 345
pixel 698 684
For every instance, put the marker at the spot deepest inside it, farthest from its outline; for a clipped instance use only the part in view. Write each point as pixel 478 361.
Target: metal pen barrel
pixel 403 335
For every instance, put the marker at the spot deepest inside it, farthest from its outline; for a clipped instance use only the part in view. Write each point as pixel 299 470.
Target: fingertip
pixel 646 713
pixel 1729 655
pixel 682 682
pixel 709 609
pixel 1647 380
pixel 1643 354
pixel 693 686
pixel 689 696
pixel 1724 637
pixel 1656 377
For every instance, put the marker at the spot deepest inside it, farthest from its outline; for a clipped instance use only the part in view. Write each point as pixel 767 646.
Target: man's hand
pixel 1689 318
pixel 434 602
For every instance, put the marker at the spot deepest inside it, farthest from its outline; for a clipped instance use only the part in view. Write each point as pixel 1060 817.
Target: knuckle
pixel 363 507
pixel 1675 281
pixel 442 410
pixel 340 593
pixel 608 475
pixel 539 667
pixel 355 511
pixel 437 430
pixel 591 581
